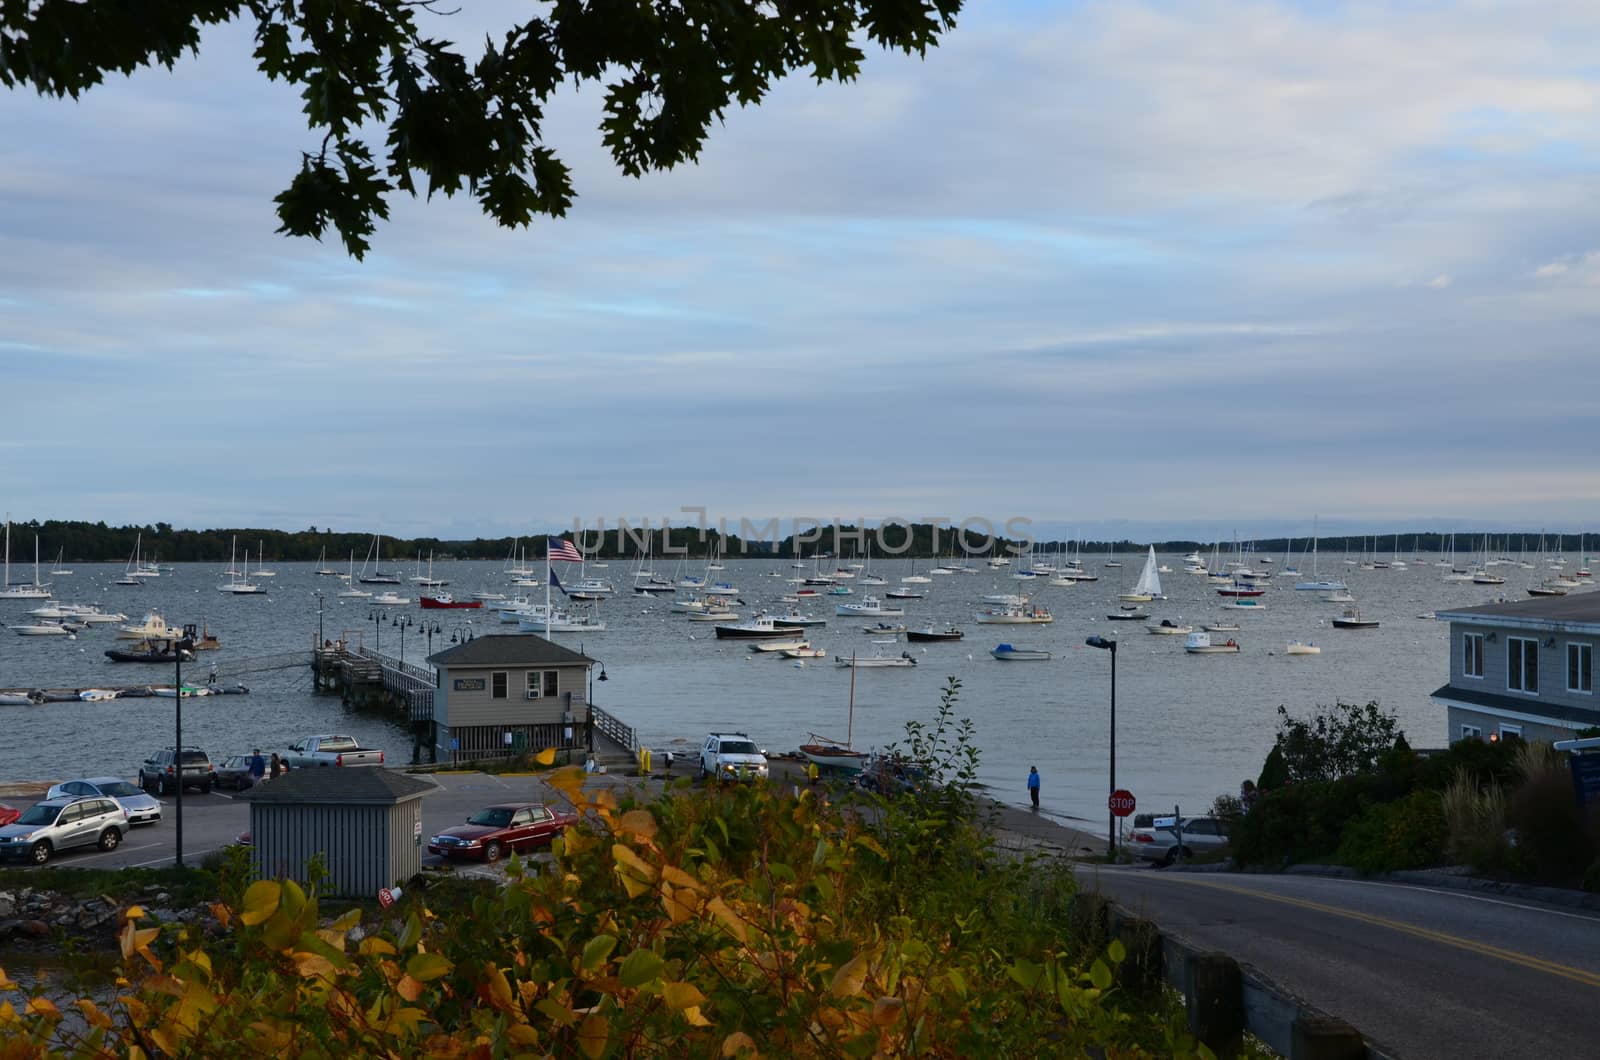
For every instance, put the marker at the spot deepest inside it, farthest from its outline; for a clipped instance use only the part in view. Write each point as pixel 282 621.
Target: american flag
pixel 561 549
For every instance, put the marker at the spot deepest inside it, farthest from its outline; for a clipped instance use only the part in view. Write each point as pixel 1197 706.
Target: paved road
pixel 1427 973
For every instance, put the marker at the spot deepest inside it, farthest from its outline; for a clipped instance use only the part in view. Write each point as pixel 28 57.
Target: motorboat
pixel 390 599
pixel 1011 653
pixel 720 589
pixel 1127 616
pixel 1221 627
pixel 696 605
pixel 876 662
pixel 931 634
pixel 44 629
pixel 1351 619
pixel 839 590
pixel 1006 599
pixel 775 646
pixel 91 615
pixel 556 620
pixel 1236 589
pixel 904 594
pixel 1339 596
pixel 884 629
pixel 180 691
pixel 486 598
pixel 713 615
pixel 1200 643
pixel 804 652
pixel 870 606
pixel 1245 605
pixel 97 695
pixel 795 620
pixel 1298 648
pixel 1016 615
pixel 20 699
pixel 159 650
pixel 1168 628
pixel 151 627
pixel 444 601
pixel 762 627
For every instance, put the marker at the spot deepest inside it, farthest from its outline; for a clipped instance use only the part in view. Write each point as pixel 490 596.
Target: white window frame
pixel 535 679
pixel 1472 650
pixel 1510 730
pixel 1524 646
pixel 1585 652
pixel 1471 732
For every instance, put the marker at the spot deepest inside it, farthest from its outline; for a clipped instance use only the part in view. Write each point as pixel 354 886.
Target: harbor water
pixel 1188 727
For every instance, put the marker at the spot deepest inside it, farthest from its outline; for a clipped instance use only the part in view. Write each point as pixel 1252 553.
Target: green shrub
pixel 1389 836
pixel 1300 822
pixel 1337 741
pixel 1475 822
pixel 1551 833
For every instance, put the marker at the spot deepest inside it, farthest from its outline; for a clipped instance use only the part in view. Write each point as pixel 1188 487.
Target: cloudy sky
pixel 1167 266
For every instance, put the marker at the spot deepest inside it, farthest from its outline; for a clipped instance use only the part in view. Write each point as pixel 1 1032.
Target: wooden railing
pixel 615 729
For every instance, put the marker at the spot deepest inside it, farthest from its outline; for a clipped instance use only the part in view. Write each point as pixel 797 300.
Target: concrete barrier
pixel 1224 999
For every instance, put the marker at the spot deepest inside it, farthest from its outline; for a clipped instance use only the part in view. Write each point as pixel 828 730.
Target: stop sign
pixel 1120 802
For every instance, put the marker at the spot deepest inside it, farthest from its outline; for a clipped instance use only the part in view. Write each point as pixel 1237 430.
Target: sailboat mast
pixel 850 731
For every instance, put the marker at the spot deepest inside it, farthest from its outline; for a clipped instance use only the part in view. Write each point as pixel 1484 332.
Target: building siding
pixel 358 845
pixel 464 709
pixel 1553 693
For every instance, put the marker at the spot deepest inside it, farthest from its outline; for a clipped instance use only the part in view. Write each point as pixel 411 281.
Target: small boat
pixel 804 652
pixel 1339 596
pixel 712 616
pixel 795 620
pixel 775 646
pixel 1298 648
pixel 1351 619
pixel 1127 616
pixel 802 593
pixel 1245 605
pixel 1221 627
pixel 832 756
pixel 20 699
pixel 720 589
pixel 1201 644
pixel 840 590
pixel 153 651
pixel 762 627
pixel 391 599
pixel 151 627
pixel 180 692
pixel 903 660
pixel 44 629
pixel 870 606
pixel 487 598
pixel 96 695
pixel 1015 615
pixel 1236 589
pixel 1168 628
pixel 1010 653
pixel 884 629
pixel 444 601
pixel 931 634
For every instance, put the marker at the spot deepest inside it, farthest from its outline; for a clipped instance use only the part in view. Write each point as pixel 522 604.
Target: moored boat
pixel 1200 643
pixel 762 627
pixel 931 634
pixel 1351 619
pixel 1297 648
pixel 444 601
pixel 1168 628
pixel 1011 653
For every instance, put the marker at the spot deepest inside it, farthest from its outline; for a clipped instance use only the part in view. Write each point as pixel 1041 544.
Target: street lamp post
pixel 430 630
pixel 320 601
pixel 1111 818
pixel 377 626
pixel 403 626
pixel 177 703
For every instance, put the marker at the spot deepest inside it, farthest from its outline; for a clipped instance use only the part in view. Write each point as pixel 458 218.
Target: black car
pixel 160 771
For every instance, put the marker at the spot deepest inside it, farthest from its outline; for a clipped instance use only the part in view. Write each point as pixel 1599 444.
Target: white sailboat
pixel 36 591
pixel 261 554
pixel 241 585
pixel 322 565
pixel 60 568
pixel 1148 587
pixel 350 592
pixel 1317 584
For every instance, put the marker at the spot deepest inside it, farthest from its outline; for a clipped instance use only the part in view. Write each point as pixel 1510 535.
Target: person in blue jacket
pixel 1033 785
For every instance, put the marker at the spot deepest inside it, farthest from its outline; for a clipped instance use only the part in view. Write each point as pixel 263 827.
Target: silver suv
pixel 161 770
pixel 60 824
pixel 732 756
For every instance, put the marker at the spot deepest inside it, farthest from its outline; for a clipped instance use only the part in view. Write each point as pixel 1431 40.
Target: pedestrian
pixel 1033 785
pixel 1247 796
pixel 813 774
pixel 258 766
pixel 275 767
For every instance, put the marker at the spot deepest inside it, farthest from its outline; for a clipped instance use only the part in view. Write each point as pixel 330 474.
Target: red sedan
pixel 8 814
pixel 495 830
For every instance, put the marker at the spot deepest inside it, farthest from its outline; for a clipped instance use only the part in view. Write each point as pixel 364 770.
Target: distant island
pixel 86 542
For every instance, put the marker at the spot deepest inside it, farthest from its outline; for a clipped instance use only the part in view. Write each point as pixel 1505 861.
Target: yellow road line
pixel 1525 960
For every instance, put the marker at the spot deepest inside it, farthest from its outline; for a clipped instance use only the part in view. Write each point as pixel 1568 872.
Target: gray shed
pixel 366 823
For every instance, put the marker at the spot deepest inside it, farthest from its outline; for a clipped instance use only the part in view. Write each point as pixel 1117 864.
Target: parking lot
pixel 213 821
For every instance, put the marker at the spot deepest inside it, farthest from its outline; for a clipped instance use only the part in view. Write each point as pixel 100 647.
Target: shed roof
pixel 509 649
pixel 354 785
pixel 1574 609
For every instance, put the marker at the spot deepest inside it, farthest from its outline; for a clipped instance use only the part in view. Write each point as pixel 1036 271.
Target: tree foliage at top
pixel 452 123
pixel 1337 741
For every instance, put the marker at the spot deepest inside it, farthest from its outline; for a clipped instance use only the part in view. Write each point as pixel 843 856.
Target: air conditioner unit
pixel 533 694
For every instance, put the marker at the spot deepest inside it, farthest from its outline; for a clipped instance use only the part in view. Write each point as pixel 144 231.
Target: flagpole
pixel 547 587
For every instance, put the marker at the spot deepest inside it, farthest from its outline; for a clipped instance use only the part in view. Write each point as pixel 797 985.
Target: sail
pixel 1149 581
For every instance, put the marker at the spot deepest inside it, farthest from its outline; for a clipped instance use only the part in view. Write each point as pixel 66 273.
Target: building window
pixel 497 684
pixel 541 683
pixel 1580 668
pixel 1522 665
pixel 549 682
pixel 1471 732
pixel 1510 732
pixel 534 684
pixel 1472 655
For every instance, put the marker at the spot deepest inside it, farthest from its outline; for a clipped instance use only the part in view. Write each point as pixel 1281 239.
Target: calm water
pixel 1188 727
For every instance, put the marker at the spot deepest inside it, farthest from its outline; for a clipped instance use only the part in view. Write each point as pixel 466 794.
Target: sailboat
pixel 60 568
pixel 427 580
pixel 1317 584
pixel 241 585
pixel 129 576
pixel 1148 587
pixel 350 592
pixel 36 591
pixel 375 556
pixel 261 554
pixel 1457 573
pixel 829 754
pixel 322 565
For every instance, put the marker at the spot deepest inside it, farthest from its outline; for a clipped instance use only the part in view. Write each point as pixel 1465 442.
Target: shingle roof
pixel 1580 608
pixel 354 785
pixel 509 649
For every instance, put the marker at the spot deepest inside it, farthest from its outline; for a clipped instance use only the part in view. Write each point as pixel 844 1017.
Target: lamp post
pixel 460 633
pixel 377 626
pixel 320 601
pixel 1111 818
pixel 430 630
pixel 403 626
pixel 177 743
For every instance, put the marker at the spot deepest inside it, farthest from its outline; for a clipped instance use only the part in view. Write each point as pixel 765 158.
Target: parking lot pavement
pixel 213 821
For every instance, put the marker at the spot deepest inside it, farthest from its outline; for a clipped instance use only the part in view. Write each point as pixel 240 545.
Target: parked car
pixel 61 824
pixel 8 814
pixel 140 807
pixel 331 750
pixel 732 756
pixel 494 830
pixel 1159 843
pixel 160 771
pixel 891 775
pixel 234 772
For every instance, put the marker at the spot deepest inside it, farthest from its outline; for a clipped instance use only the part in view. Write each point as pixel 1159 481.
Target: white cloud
pixel 1440 282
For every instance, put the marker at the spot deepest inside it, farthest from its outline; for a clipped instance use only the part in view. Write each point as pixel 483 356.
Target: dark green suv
pixel 159 772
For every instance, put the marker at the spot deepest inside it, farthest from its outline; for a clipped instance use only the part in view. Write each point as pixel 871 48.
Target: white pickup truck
pixel 331 750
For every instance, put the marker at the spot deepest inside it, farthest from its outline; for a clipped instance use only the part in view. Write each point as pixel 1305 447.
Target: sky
pixel 1164 268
